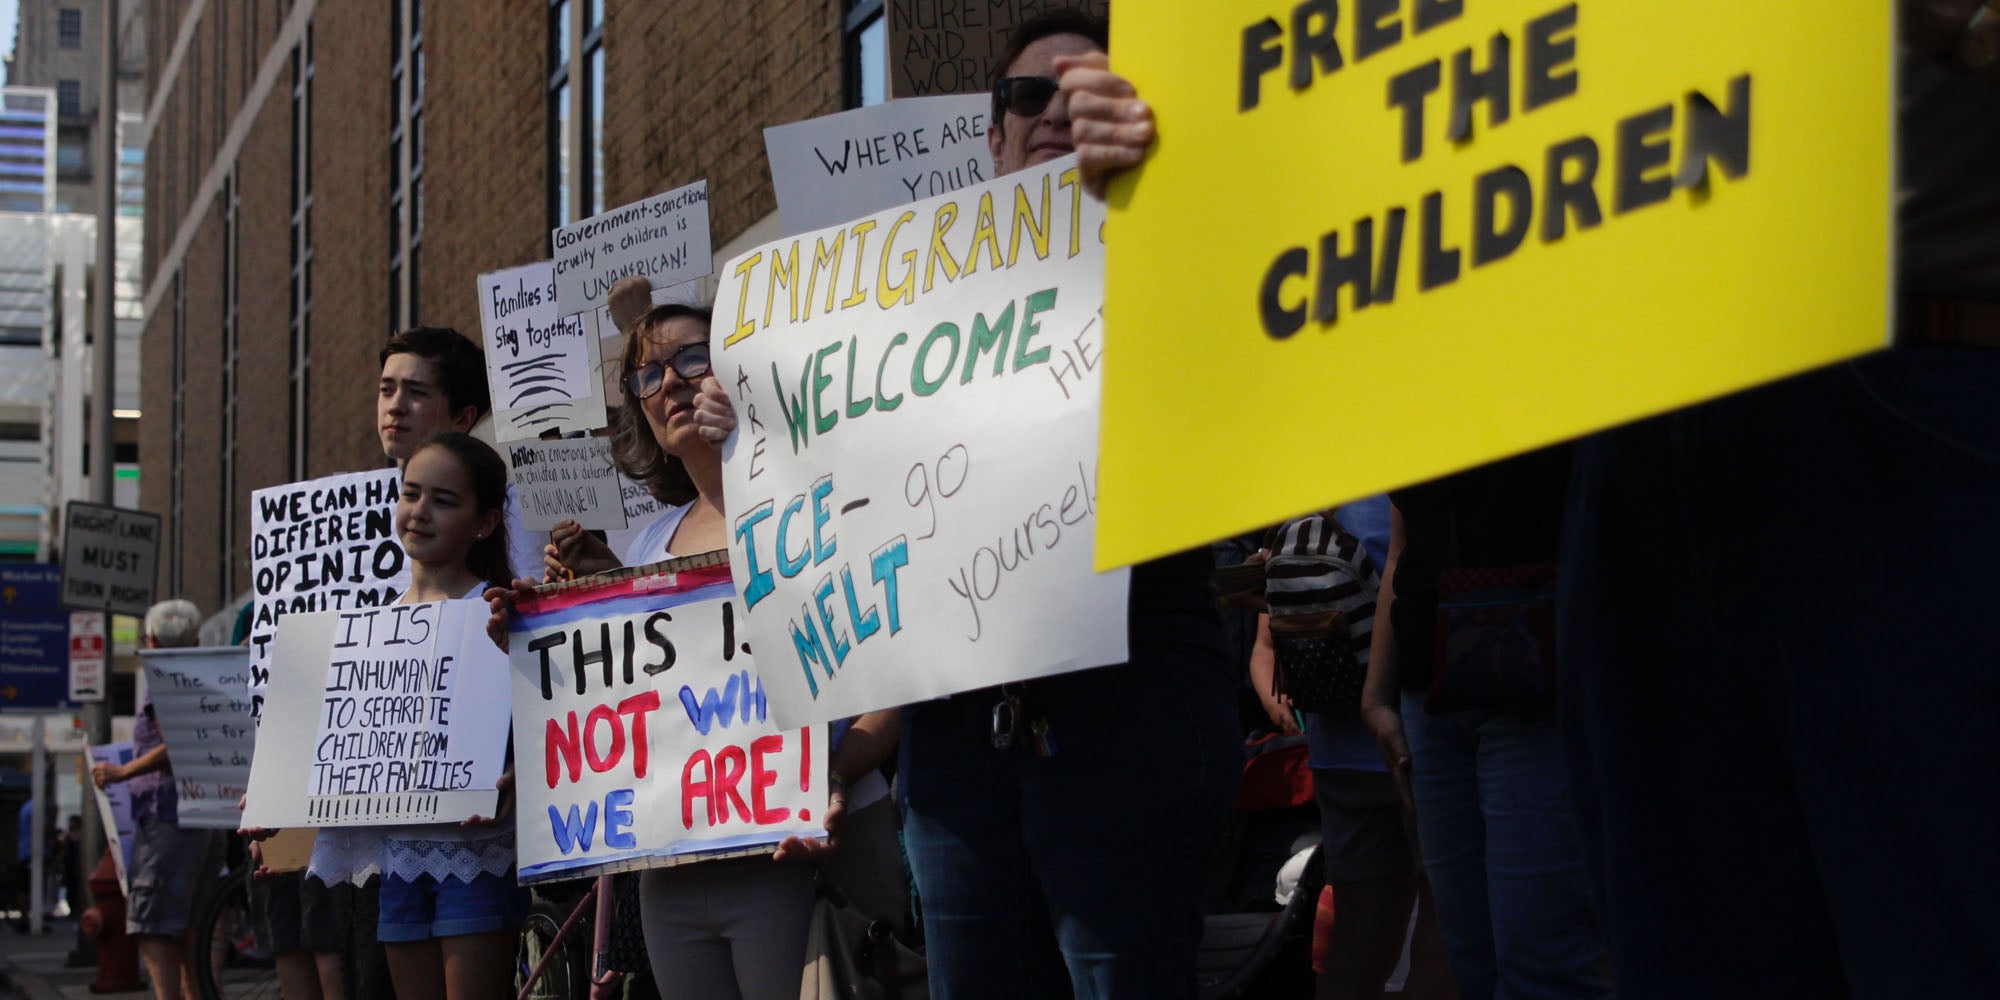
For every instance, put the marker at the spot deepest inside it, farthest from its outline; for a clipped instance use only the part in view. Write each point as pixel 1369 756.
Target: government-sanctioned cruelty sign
pixel 643 736
pixel 1490 226
pixel 110 558
pixel 664 239
pixel 912 481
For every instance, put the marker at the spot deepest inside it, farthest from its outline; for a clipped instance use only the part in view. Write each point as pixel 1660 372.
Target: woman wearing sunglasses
pixel 1069 861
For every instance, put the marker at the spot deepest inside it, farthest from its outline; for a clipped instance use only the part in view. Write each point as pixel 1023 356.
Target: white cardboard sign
pixel 114 808
pixel 320 545
pixel 838 167
pixel 541 366
pixel 201 702
pixel 407 711
pixel 567 479
pixel 663 239
pixel 912 481
pixel 642 735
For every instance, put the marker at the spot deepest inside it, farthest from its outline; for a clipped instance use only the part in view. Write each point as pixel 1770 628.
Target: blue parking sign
pixel 34 637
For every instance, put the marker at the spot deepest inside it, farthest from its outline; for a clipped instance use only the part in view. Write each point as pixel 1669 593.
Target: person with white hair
pixel 166 860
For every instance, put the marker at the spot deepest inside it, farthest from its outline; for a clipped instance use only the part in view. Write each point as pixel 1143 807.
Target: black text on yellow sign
pixel 1493 224
pixel 1568 188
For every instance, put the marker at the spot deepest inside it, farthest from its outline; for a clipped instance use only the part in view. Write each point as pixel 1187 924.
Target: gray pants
pixel 734 928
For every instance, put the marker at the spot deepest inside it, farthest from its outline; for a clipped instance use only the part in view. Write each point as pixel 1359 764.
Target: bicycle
pixel 552 962
pixel 226 961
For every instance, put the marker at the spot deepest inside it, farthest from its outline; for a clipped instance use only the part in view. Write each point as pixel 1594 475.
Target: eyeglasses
pixel 690 363
pixel 1026 96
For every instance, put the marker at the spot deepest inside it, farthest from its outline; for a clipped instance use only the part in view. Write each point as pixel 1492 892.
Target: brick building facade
pixel 321 173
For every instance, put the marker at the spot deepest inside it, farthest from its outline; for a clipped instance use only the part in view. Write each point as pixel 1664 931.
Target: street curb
pixel 17 984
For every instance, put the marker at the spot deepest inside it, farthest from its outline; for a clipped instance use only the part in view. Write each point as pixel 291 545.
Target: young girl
pixel 450 906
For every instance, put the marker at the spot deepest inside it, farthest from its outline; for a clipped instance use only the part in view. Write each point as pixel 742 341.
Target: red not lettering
pixel 635 708
pixel 609 760
pixel 762 777
pixel 563 748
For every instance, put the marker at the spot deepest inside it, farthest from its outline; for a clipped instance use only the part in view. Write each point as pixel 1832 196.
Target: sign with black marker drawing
pixel 912 482
pixel 643 736
pixel 567 478
pixel 326 544
pixel 541 365
pixel 663 239
pixel 408 710
pixel 835 168
pixel 202 705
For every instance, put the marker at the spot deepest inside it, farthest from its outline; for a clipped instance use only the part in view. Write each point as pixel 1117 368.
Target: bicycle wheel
pixel 226 962
pixel 567 976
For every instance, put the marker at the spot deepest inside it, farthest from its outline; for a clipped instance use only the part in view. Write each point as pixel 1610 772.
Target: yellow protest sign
pixel 1383 240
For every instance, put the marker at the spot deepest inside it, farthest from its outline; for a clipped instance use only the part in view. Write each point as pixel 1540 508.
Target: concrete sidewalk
pixel 32 968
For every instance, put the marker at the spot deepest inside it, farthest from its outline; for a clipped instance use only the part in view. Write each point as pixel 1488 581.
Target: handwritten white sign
pixel 202 705
pixel 642 732
pixel 663 239
pixel 540 365
pixel 912 483
pixel 408 709
pixel 325 544
pixel 570 478
pixel 839 167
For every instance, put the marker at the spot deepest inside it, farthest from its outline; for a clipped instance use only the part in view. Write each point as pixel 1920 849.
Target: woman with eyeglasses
pixel 1066 854
pixel 731 927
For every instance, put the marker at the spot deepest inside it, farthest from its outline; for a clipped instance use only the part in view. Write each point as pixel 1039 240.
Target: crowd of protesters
pixel 1631 716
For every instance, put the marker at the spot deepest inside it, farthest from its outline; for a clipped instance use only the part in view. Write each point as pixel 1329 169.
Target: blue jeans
pixel 1780 680
pixel 1500 846
pixel 1083 869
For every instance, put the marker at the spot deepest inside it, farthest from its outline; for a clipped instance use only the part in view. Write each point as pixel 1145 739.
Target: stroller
pixel 1252 946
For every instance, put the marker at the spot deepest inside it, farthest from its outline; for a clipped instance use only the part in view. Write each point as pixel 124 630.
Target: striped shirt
pixel 1315 567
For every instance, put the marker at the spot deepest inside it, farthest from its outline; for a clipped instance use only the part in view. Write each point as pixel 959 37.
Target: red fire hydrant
pixel 117 953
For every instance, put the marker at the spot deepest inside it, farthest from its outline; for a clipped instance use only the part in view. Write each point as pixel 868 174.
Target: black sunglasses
pixel 690 363
pixel 1026 96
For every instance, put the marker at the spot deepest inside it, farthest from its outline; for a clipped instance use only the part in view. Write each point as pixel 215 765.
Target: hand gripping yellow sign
pixel 1383 240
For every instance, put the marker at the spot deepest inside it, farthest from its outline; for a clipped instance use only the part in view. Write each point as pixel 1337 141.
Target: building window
pixel 406 163
pixel 300 323
pixel 69 27
pixel 177 526
pixel 866 53
pixel 69 98
pixel 576 110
